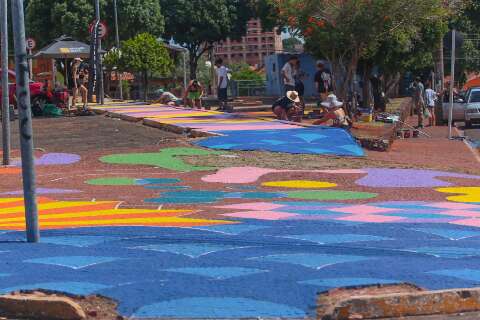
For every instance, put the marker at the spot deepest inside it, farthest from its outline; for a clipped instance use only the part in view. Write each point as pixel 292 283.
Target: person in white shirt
pixel 222 84
pixel 288 74
pixel 431 97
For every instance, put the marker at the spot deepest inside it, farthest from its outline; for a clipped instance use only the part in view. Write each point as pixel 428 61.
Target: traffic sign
pixel 102 29
pixel 31 44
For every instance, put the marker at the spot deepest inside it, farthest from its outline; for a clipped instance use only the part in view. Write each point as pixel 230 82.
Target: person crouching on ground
pixel 288 107
pixel 335 112
pixel 193 95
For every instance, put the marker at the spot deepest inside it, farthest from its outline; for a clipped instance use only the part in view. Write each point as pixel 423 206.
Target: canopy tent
pixel 64 48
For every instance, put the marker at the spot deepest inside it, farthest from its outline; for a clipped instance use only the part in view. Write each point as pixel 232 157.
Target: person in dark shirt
pixel 288 107
pixel 323 81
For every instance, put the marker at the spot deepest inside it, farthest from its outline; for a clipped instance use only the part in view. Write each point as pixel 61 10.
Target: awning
pixel 64 48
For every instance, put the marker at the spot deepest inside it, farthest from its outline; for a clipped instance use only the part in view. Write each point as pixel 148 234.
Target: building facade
pixel 252 48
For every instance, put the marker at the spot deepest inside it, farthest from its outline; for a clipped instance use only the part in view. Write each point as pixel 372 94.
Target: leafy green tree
pixel 198 24
pixel 144 54
pixel 245 72
pixel 290 43
pixel 47 20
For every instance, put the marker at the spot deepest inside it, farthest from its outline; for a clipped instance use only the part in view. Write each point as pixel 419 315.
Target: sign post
pixel 5 91
pixel 25 121
pixel 452 83
pixel 31 44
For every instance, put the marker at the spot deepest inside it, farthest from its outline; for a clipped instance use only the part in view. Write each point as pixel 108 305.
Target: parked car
pixel 466 107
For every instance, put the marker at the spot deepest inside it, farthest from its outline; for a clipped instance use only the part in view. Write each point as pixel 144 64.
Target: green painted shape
pixel 115 181
pixel 167 158
pixel 330 195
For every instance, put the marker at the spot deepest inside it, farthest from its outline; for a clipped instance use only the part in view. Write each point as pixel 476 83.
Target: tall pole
pixel 117 40
pixel 185 70
pixel 25 121
pixel 5 102
pixel 100 90
pixel 452 80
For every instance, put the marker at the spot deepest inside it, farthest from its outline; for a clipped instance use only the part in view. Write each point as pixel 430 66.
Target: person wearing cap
pixel 79 80
pixel 288 107
pixel 288 73
pixel 335 112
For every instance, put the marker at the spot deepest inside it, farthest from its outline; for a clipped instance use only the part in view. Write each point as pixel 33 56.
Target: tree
pixel 47 20
pixel 349 31
pixel 290 43
pixel 145 55
pixel 198 24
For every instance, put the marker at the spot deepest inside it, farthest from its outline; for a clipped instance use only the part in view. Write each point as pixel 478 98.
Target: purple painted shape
pixel 53 159
pixel 43 191
pixel 407 178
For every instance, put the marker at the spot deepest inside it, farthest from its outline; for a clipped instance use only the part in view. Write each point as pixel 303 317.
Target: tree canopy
pixel 47 20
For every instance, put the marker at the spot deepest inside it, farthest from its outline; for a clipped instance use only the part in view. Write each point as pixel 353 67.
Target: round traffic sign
pixel 31 44
pixel 102 29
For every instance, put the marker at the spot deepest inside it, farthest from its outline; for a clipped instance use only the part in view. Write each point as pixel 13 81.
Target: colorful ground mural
pixel 239 132
pixel 237 242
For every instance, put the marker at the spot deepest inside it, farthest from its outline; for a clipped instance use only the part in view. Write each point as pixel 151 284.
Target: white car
pixel 472 108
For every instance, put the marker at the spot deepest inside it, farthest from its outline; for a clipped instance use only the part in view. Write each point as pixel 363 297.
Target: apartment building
pixel 252 48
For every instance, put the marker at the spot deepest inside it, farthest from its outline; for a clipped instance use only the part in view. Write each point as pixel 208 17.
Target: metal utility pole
pixel 452 82
pixel 100 91
pixel 5 102
pixel 117 40
pixel 185 70
pixel 25 121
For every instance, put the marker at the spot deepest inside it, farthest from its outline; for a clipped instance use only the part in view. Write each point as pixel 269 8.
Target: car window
pixel 474 97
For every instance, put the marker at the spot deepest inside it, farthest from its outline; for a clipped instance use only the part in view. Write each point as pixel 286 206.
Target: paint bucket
pixel 415 133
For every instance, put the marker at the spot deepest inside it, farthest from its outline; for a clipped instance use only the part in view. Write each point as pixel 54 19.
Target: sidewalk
pixel 452 155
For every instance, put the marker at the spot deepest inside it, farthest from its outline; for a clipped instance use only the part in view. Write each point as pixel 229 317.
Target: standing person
pixel 299 86
pixel 419 100
pixel 323 81
pixel 431 97
pixel 288 74
pixel 193 95
pixel 79 80
pixel 222 84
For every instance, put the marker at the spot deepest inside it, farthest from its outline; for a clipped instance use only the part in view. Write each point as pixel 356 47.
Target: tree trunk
pixel 391 84
pixel 145 85
pixel 367 71
pixel 193 65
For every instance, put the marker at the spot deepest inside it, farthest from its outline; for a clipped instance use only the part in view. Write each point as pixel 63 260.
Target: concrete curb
pixel 393 305
pixel 40 307
pixel 189 132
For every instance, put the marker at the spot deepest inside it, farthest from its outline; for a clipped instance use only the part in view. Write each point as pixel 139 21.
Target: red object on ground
pixel 36 88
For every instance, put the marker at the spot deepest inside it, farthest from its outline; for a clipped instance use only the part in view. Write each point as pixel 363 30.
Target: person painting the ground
pixel 79 79
pixel 431 97
pixel 323 81
pixel 288 107
pixel 222 84
pixel 288 74
pixel 193 95
pixel 419 100
pixel 334 112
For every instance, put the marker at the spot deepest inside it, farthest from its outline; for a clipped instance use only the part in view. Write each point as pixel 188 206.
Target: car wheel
pixel 38 105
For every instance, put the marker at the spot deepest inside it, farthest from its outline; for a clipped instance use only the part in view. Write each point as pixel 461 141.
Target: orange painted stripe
pixel 10 170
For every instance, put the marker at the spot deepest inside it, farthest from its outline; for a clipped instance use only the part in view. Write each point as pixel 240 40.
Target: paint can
pixel 415 133
pixel 406 133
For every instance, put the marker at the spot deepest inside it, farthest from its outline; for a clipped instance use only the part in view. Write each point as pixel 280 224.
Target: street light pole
pixel 452 81
pixel 100 91
pixel 25 121
pixel 117 40
pixel 5 91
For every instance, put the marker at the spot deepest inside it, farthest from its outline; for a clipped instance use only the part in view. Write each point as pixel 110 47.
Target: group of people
pixel 292 105
pixel 424 102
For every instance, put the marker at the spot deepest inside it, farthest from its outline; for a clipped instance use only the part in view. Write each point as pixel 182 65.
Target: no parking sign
pixel 102 29
pixel 31 44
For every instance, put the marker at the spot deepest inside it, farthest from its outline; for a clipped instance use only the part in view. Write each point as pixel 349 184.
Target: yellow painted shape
pixel 7 200
pixel 57 205
pixel 465 194
pixel 99 213
pixel 299 184
pixel 162 221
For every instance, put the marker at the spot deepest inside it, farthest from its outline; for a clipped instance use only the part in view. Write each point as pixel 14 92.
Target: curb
pixel 40 307
pixel 405 304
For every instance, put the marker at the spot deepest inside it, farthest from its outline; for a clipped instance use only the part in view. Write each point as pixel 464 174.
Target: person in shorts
pixel 431 97
pixel 193 95
pixel 222 84
pixel 288 107
pixel 419 100
pixel 323 81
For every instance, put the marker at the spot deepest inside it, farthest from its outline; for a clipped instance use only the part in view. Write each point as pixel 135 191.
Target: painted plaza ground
pixel 170 229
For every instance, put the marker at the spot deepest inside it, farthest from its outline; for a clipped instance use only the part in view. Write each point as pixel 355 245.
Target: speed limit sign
pixel 102 29
pixel 31 44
